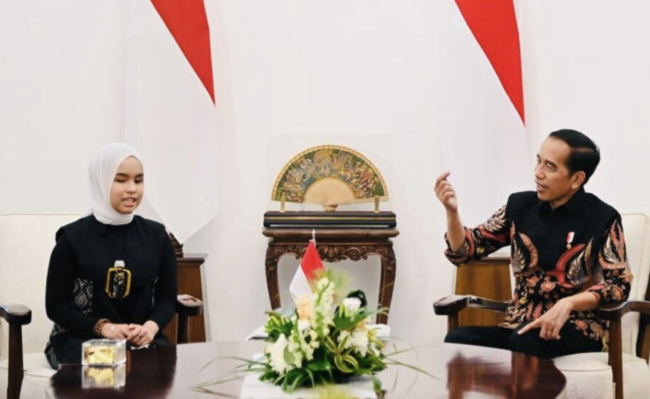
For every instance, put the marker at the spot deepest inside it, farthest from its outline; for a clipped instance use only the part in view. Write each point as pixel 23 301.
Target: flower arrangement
pixel 322 342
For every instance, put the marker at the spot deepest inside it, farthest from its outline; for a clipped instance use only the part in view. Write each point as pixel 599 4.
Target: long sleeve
pixel 59 291
pixel 612 265
pixel 165 290
pixel 481 240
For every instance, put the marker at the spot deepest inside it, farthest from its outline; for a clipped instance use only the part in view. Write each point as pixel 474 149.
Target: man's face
pixel 555 184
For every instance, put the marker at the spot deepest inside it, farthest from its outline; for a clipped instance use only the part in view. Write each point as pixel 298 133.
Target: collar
pixel 102 228
pixel 572 206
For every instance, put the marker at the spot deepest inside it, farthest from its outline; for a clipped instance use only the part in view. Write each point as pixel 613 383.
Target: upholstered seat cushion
pixel 37 376
pixel 590 377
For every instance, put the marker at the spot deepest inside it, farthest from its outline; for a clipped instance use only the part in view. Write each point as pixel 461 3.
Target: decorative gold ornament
pixel 118 281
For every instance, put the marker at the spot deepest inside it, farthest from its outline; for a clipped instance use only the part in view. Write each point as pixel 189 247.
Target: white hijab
pixel 101 173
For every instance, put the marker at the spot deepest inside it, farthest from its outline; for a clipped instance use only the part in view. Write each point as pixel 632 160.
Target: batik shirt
pixel 555 253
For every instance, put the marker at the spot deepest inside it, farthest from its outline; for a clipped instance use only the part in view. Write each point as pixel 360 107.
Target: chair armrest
pixel 16 314
pixel 187 305
pixel 615 311
pixel 450 305
pixel 453 304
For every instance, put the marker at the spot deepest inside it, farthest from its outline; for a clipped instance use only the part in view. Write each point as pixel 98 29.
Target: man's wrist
pixel 570 302
pixel 452 213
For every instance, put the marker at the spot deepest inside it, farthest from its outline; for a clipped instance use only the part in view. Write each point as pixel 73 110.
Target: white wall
pixel 290 74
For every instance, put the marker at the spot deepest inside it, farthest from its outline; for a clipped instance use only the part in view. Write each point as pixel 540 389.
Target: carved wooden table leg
pixel 273 254
pixel 387 281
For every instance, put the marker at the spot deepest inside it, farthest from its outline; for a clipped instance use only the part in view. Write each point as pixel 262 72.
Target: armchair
pixel 626 364
pixel 25 246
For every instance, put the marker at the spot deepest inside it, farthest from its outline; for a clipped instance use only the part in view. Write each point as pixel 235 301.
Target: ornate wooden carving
pixel 178 247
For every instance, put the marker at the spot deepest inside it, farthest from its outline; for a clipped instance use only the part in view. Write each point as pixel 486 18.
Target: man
pixel 567 254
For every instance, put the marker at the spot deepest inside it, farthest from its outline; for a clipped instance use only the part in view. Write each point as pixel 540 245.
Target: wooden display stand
pixel 340 235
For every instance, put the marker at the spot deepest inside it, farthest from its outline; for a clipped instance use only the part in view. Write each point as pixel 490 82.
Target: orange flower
pixel 304 307
pixel 581 324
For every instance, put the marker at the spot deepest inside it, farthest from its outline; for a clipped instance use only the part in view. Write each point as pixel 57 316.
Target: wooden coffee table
pixel 172 373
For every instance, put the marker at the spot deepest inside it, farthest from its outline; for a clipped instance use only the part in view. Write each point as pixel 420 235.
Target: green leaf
pixel 319 364
pixel 297 382
pixel 351 361
pixel 311 377
pixel 342 344
pixel 376 384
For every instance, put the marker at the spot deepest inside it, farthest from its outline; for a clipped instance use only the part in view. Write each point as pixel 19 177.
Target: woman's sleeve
pixel 165 289
pixel 59 291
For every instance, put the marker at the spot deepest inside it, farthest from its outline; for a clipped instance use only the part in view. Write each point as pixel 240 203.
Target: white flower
pixel 322 283
pixel 352 304
pixel 303 325
pixel 276 350
pixel 345 334
pixel 359 341
pixel 294 349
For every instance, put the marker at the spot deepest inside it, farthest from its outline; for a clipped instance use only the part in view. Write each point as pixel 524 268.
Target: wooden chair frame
pixel 450 306
pixel 18 315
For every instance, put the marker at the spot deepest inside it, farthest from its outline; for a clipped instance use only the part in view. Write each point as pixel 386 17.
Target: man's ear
pixel 578 179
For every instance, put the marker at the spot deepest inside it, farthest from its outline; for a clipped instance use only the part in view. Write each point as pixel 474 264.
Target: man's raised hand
pixel 446 193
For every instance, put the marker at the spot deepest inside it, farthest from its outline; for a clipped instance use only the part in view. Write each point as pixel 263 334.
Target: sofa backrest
pixel 26 243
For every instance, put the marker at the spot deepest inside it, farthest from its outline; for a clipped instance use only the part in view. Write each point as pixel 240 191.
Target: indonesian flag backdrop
pixel 170 112
pixel 482 132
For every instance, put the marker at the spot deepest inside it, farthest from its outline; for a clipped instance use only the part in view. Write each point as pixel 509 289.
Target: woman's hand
pixel 142 335
pixel 115 331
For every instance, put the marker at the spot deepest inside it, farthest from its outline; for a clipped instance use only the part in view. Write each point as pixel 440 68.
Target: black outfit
pixel 75 296
pixel 555 253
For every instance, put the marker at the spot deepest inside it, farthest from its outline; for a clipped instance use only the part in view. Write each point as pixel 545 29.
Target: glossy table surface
pixel 457 371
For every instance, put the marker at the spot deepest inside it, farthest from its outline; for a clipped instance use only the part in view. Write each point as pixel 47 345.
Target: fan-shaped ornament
pixel 329 175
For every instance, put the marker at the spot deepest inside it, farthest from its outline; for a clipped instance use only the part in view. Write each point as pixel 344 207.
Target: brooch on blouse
pixel 569 239
pixel 118 281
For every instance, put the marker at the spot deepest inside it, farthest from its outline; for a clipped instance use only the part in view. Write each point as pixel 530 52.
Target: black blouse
pixel 76 297
pixel 555 253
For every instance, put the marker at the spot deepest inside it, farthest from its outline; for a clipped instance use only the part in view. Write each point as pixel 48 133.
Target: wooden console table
pixel 334 245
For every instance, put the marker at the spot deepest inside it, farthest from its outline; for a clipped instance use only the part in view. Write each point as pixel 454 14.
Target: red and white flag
pixel 170 114
pixel 305 278
pixel 482 122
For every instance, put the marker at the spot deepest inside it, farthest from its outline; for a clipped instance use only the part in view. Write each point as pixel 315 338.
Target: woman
pixel 112 274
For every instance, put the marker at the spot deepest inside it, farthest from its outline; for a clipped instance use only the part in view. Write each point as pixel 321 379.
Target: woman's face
pixel 128 186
